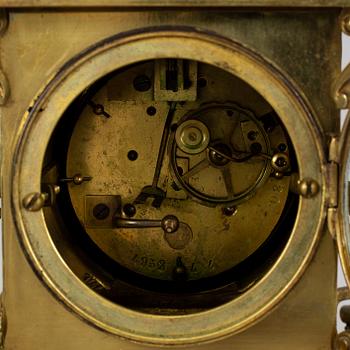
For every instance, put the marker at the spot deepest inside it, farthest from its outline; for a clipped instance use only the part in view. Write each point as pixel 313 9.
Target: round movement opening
pixel 175 193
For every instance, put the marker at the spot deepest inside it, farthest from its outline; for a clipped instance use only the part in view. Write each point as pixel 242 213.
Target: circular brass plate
pixel 117 52
pixel 218 242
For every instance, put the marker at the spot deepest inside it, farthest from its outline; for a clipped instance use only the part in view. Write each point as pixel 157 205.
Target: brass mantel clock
pixel 173 174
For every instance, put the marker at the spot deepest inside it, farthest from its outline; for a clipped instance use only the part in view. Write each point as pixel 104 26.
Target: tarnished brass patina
pixel 198 196
pixel 173 174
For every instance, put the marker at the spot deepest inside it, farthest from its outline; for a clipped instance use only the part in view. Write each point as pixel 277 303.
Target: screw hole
pixel 101 211
pixel 281 162
pixel 175 187
pixel 142 83
pixel 282 147
pixel 151 111
pixel 180 170
pixel 229 211
pixel 255 148
pixel 132 155
pixel 252 135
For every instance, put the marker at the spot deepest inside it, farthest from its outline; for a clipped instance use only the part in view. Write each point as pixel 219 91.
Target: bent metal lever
pixel 169 224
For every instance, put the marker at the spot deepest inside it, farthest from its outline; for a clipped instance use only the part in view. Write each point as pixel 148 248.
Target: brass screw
pixel 77 179
pixel 341 100
pixel 308 188
pixel 170 224
pixel 229 211
pixel 101 211
pixel 34 201
pixel 280 162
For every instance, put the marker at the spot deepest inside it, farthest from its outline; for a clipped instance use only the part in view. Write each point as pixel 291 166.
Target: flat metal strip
pixel 174 3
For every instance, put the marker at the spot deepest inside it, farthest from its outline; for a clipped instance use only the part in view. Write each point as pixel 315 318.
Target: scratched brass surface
pixel 36 320
pixel 218 242
pixel 175 3
pixel 319 334
pixel 46 245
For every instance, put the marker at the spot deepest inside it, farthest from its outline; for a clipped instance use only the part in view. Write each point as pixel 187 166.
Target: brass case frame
pixel 32 313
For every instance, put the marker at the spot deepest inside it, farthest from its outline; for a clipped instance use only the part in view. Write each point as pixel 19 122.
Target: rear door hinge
pixel 332 186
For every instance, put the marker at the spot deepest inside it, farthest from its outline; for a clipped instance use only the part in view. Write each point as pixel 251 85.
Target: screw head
pixel 78 179
pixel 98 109
pixel 216 158
pixel 34 201
pixel 229 211
pixel 101 211
pixel 192 136
pixel 129 210
pixel 170 224
pixel 142 83
pixel 341 100
pixel 280 162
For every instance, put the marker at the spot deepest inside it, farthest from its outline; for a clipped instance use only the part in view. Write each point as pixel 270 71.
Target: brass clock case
pixel 44 254
pixel 342 223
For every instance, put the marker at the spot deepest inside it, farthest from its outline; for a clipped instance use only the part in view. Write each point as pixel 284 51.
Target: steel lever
pixel 169 224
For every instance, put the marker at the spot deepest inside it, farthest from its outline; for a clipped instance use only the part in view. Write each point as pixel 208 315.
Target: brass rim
pixel 117 52
pixel 343 225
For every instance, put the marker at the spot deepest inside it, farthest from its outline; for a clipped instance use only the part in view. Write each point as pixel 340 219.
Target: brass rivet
pixel 78 179
pixel 308 188
pixel 341 100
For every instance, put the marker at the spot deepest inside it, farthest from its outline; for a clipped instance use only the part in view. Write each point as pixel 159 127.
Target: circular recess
pixel 192 136
pixel 151 111
pixel 214 169
pixel 142 83
pixel 132 155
